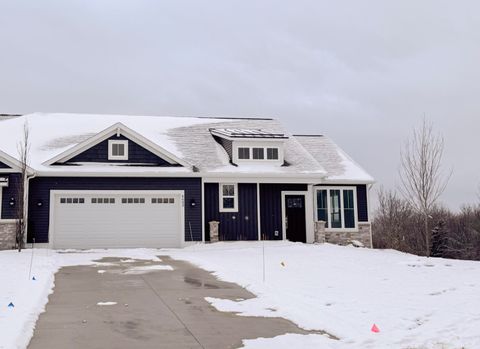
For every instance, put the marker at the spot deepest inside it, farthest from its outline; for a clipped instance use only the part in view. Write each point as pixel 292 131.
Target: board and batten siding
pixel 14 180
pixel 136 154
pixel 40 188
pixel 241 225
pixel 271 208
pixel 362 200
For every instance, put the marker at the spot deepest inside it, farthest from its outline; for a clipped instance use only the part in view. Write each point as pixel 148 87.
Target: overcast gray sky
pixel 361 72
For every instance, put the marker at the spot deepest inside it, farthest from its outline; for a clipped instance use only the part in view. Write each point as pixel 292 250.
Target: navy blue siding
pixel 271 208
pixel 2 165
pixel 40 192
pixel 362 201
pixel 241 225
pixel 14 180
pixel 136 154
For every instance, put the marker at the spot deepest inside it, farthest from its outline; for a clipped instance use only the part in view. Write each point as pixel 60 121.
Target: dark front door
pixel 295 218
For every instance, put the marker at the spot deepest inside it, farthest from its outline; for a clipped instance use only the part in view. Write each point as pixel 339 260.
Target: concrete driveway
pixel 155 309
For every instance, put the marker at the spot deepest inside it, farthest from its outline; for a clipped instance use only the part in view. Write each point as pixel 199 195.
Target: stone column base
pixel 214 225
pixel 7 235
pixel 319 232
pixel 361 238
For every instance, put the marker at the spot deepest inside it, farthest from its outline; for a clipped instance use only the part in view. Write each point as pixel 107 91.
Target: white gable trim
pixel 15 165
pixel 117 129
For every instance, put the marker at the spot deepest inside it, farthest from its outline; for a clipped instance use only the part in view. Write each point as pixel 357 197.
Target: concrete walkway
pixel 156 309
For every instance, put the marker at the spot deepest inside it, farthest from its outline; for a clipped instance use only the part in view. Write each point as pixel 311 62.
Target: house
pixel 98 181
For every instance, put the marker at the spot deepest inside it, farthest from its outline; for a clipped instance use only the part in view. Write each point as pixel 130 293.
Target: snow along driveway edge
pixel 29 296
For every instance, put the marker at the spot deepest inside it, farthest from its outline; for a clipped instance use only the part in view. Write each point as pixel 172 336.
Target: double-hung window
pixel 337 207
pixel 118 150
pixel 228 198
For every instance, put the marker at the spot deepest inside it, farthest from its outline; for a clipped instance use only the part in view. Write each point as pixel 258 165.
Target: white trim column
pixel 309 215
pixel 202 200
pixel 259 225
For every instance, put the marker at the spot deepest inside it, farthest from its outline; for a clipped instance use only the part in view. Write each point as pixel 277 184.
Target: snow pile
pixel 416 302
pixel 29 296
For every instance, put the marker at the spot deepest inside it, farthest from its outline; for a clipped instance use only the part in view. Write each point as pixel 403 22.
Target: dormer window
pixel 272 153
pixel 258 154
pixel 252 146
pixel 244 153
pixel 118 150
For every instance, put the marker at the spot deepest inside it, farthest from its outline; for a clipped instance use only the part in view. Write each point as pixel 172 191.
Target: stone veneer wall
pixel 363 235
pixel 7 235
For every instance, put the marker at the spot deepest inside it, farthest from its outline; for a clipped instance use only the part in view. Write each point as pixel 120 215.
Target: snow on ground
pixel 29 297
pixel 147 268
pixel 416 302
pixel 106 303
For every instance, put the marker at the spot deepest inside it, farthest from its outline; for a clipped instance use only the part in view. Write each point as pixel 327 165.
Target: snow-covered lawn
pixel 29 296
pixel 415 302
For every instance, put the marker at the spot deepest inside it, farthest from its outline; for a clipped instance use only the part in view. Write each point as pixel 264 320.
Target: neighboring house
pixel 99 181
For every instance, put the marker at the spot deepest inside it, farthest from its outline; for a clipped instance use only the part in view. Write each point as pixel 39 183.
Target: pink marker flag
pixel 375 328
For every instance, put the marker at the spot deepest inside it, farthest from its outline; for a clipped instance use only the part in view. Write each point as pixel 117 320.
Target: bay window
pixel 337 207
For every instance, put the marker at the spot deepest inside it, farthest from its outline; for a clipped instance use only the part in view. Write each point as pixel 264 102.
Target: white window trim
pixel 111 142
pixel 266 153
pixel 249 153
pixel 265 156
pixel 235 198
pixel 329 208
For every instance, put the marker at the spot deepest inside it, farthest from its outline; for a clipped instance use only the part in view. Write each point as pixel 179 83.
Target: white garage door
pixel 107 219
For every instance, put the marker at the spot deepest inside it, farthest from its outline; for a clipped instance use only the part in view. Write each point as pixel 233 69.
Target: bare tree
pixel 23 149
pixel 396 224
pixel 421 175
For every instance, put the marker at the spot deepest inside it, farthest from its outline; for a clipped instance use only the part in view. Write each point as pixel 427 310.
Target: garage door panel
pixel 101 220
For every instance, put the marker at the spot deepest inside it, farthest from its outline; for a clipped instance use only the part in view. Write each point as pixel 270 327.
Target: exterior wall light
pixel 12 201
pixel 39 203
pixel 193 203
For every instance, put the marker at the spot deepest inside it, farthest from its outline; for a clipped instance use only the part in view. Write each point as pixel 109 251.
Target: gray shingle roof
pixel 339 166
pixel 189 139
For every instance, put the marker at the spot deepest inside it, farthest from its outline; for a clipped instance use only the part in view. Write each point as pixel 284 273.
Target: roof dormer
pixel 252 146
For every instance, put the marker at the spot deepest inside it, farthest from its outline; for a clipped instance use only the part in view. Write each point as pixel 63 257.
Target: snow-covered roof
pixel 340 167
pixel 186 138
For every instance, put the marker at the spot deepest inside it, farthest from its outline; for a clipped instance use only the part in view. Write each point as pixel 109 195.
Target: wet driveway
pixel 143 304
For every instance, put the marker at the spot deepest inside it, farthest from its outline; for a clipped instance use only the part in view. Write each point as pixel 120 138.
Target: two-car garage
pixel 116 219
